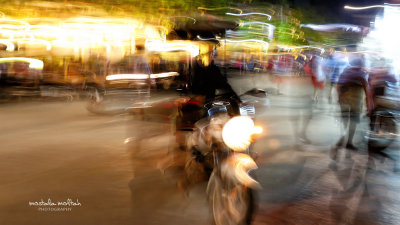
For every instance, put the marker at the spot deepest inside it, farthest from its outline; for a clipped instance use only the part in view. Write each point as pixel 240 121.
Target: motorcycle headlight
pixel 237 132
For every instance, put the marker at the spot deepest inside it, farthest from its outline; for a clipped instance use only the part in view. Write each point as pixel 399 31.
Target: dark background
pixel 333 11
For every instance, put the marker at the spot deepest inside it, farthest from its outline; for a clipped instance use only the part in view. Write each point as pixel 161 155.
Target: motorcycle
pixel 386 113
pixel 222 144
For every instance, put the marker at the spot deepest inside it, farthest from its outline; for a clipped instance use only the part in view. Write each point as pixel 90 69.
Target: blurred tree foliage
pixel 290 34
pixel 286 15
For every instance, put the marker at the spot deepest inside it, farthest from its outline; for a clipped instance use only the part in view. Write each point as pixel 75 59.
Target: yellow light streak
pixel 257 130
pixel 300 47
pixel 172 46
pixel 9 44
pixel 82 34
pixel 212 9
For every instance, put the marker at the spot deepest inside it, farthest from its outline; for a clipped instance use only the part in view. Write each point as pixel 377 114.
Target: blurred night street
pixel 58 150
pixel 197 112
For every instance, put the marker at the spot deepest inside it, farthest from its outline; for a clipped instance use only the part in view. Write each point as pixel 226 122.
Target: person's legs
pixel 352 131
pixel 345 122
pixel 345 117
pixel 306 117
pixel 341 141
pixel 315 96
pixel 331 88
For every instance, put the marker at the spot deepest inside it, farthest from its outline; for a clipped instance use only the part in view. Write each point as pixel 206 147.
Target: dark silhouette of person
pixel 352 88
pixel 207 78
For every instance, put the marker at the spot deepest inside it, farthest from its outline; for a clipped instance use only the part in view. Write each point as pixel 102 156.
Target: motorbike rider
pixel 206 80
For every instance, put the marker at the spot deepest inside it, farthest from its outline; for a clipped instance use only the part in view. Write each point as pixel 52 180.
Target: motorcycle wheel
pixel 231 204
pixel 386 125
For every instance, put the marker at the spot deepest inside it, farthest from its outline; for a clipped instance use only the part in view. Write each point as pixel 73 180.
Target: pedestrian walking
pixel 338 62
pixel 352 88
pixel 315 70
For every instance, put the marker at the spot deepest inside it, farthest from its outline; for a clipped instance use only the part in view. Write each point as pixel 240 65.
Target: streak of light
pixel 362 8
pixel 140 76
pixel 9 44
pixel 187 17
pixel 33 63
pixel 247 40
pixel 370 6
pixel 170 47
pixel 304 46
pixel 326 27
pixel 252 13
pixel 205 39
pixel 211 9
pixel 256 22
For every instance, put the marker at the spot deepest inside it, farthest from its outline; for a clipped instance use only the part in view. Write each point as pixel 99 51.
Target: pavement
pixel 120 167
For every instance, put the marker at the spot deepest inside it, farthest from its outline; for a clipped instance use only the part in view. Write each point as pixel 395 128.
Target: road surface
pixel 117 169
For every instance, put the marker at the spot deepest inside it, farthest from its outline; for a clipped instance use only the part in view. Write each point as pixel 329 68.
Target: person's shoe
pixel 351 147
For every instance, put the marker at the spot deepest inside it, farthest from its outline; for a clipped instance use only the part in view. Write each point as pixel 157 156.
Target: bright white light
pixel 252 13
pixel 9 44
pixel 257 130
pixel 205 39
pixel 327 27
pixel 256 22
pixel 388 32
pixel 371 6
pixel 237 132
pixel 163 75
pixel 140 76
pixel 162 46
pixel 32 42
pixel 271 27
pixel 247 40
pixel 362 8
pixel 127 76
pixel 33 63
pixel 264 43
